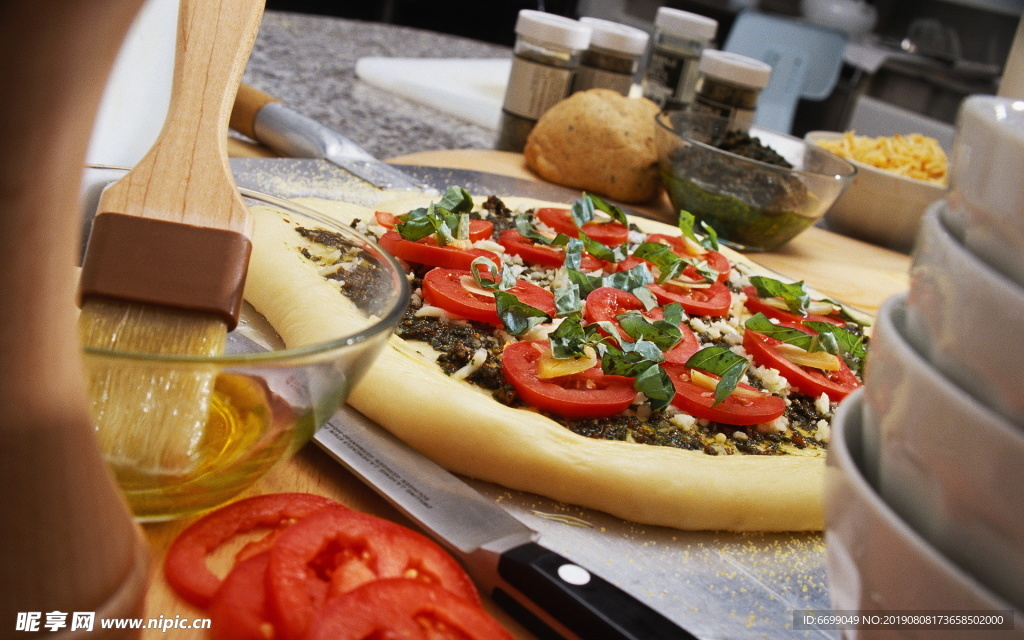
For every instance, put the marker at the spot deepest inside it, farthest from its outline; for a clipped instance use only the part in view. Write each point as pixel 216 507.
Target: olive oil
pixel 247 431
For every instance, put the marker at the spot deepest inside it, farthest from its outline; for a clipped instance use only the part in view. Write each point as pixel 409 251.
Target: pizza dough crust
pixel 467 432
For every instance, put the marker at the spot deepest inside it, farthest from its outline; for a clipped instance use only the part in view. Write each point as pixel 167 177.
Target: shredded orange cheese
pixel 913 155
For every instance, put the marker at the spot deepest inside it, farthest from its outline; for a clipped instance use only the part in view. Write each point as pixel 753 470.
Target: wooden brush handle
pixel 69 543
pixel 185 177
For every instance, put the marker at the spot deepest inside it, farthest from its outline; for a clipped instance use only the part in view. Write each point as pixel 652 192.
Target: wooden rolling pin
pixel 69 543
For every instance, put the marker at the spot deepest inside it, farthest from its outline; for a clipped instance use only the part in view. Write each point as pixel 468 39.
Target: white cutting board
pixel 471 89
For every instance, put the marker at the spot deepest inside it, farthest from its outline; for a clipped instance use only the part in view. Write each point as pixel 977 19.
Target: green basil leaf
pixel 584 282
pixel 616 213
pixel 646 296
pixel 672 313
pixel 656 384
pixel 582 211
pixel 630 279
pixel 495 278
pixel 569 339
pixel 851 346
pixel 433 220
pixel 660 333
pixel 721 362
pixel 416 224
pixel 669 264
pixel 602 251
pixel 456 200
pixel 631 358
pixel 517 317
pixel 568 301
pixel 573 252
pixel 687 221
pixel 761 324
pixel 794 295
pixel 687 224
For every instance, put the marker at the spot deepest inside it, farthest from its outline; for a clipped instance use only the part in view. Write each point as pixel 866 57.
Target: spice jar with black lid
pixel 679 39
pixel 730 85
pixel 545 59
pixel 613 59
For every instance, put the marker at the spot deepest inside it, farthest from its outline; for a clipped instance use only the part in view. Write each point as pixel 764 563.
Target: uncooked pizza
pixel 613 362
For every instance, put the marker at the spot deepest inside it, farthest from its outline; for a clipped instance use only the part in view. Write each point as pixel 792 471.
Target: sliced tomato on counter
pixel 336 550
pixel 807 380
pixel 426 251
pixel 456 291
pixel 185 565
pixel 403 608
pixel 744 406
pixel 712 299
pixel 541 254
pixel 757 304
pixel 588 394
pixel 239 608
pixel 611 233
pixel 478 229
pixel 605 303
pixel 715 259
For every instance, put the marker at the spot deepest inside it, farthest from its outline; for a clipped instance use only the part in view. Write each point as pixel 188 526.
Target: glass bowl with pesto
pixel 757 188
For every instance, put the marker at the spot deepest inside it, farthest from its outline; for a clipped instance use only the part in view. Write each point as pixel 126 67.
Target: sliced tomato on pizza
pixel 604 304
pixel 715 259
pixel 695 394
pixel 712 299
pixel 478 229
pixel 589 393
pixel 457 291
pixel 611 233
pixel 426 251
pixel 536 253
pixel 777 308
pixel 810 373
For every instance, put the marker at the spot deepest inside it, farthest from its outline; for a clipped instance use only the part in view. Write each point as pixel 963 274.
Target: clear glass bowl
pixel 753 205
pixel 266 400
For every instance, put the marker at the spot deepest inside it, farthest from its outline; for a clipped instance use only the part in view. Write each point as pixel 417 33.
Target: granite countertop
pixel 309 62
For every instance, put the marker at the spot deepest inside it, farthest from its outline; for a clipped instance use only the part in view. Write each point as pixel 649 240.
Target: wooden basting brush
pixel 166 260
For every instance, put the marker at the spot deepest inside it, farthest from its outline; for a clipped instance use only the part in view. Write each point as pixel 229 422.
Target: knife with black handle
pixel 549 594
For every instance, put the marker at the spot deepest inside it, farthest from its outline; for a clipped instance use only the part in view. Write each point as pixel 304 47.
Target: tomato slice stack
pixel 323 571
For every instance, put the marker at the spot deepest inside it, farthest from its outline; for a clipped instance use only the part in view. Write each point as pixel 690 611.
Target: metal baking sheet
pixel 717 585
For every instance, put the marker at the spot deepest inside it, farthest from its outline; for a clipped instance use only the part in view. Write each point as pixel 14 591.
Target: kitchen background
pixel 908 71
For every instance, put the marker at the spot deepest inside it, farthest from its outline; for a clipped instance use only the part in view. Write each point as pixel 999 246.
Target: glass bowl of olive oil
pixel 188 433
pixel 757 188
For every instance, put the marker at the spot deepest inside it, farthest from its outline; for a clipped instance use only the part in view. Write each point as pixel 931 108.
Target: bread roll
pixel 598 141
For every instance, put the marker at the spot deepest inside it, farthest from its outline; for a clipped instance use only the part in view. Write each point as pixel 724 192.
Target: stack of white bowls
pixel 925 481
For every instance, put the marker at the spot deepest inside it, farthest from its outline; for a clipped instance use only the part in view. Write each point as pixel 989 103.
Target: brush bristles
pixel 150 417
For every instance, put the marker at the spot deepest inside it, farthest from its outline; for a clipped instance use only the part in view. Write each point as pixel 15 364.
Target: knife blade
pixel 550 595
pixel 292 134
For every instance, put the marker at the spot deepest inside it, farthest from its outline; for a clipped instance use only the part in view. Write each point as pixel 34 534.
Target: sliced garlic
pixel 820 307
pixel 683 282
pixel 470 284
pixel 549 366
pixel 709 383
pixel 814 359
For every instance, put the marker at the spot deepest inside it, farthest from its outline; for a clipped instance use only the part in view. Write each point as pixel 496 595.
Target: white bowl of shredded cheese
pixel 897 178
